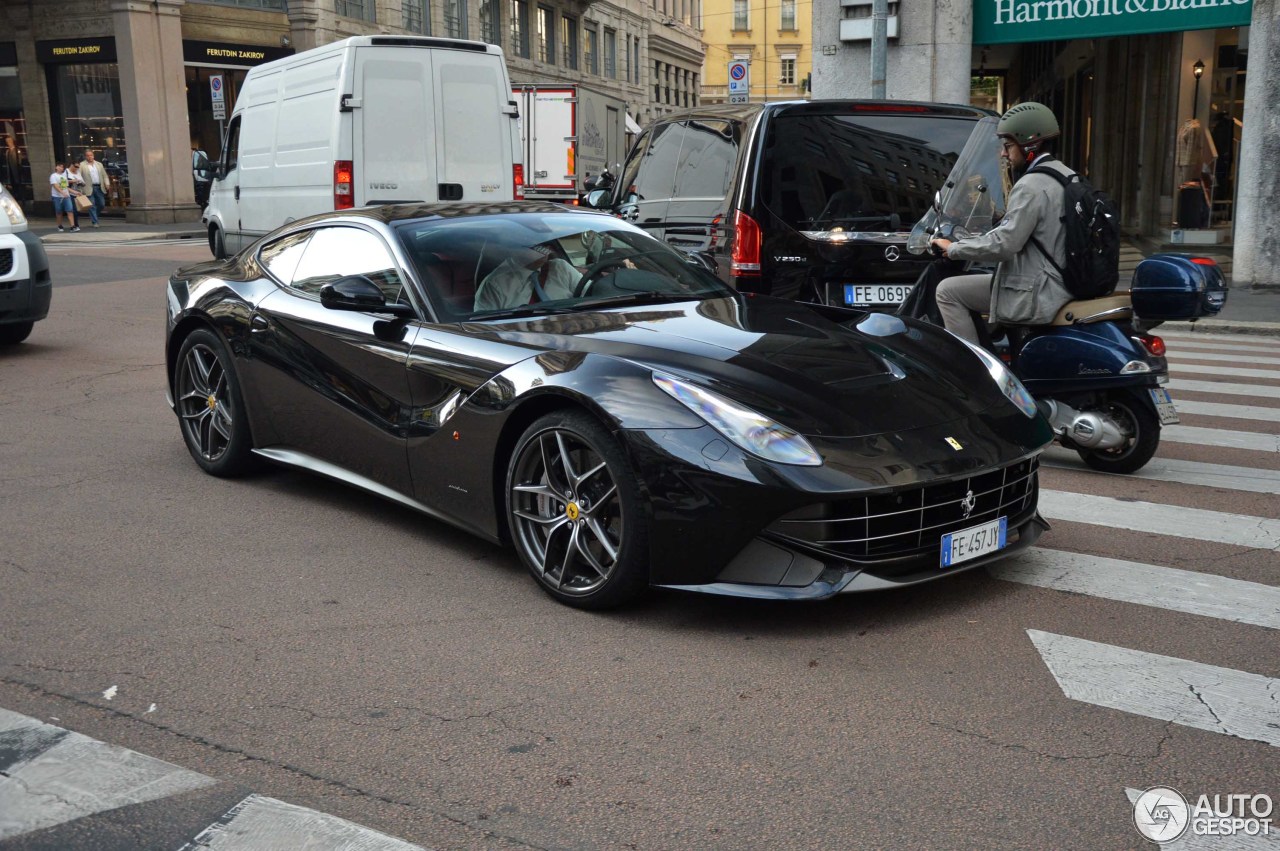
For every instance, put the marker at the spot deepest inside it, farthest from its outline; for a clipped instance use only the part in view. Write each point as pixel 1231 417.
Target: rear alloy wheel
pixel 210 408
pixel 575 514
pixel 1140 424
pixel 15 333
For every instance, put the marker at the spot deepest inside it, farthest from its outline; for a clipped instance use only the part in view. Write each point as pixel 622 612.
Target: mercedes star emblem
pixel 892 254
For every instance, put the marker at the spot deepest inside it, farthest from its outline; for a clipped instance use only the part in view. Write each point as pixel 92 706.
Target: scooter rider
pixel 1026 288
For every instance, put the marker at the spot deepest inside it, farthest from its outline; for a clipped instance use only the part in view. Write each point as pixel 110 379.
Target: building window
pixel 455 18
pixel 787 75
pixel 695 90
pixel 490 22
pixel 789 15
pixel 417 16
pixel 546 35
pixel 569 38
pixel 657 81
pixel 634 65
pixel 520 28
pixel 362 9
pixel 611 54
pixel 741 15
pixel 592 52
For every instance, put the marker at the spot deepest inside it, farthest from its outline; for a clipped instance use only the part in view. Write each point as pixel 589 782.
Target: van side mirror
pixel 203 167
pixel 357 292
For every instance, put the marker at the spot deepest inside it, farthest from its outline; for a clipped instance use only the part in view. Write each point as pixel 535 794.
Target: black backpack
pixel 1092 224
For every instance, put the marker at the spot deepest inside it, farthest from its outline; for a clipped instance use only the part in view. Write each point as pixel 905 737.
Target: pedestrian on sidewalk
pixel 60 188
pixel 95 177
pixel 79 187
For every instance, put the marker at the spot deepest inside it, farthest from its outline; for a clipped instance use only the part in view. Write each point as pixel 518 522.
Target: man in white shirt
pixel 96 183
pixel 527 275
pixel 60 190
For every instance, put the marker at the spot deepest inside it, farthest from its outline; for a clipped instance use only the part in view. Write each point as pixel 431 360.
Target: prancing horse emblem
pixel 968 504
pixel 892 254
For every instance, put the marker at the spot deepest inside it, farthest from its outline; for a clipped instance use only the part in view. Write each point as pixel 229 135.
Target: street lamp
pixel 1198 70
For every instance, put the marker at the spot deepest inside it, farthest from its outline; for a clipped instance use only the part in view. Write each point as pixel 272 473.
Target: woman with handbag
pixel 79 195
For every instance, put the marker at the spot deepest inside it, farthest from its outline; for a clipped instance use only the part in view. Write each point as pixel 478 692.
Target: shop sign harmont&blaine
pixel 1016 21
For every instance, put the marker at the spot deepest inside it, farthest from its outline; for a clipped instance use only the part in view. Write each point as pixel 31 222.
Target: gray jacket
pixel 1027 290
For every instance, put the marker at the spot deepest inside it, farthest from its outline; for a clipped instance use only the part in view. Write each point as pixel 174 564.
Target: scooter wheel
pixel 1144 437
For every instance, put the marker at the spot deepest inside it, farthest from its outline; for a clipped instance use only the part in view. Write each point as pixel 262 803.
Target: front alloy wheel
pixel 214 425
pixel 574 512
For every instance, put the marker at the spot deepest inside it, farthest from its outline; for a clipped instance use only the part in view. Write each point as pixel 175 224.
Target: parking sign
pixel 739 77
pixel 218 94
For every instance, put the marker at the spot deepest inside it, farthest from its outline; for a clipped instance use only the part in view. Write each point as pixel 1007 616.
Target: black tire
pixel 1136 417
pixel 210 407
pixel 571 498
pixel 14 333
pixel 216 243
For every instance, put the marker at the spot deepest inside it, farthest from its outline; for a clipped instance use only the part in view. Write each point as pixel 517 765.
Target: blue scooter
pixel 1095 371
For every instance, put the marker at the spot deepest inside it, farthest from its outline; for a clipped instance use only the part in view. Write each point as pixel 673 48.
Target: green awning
pixel 1017 21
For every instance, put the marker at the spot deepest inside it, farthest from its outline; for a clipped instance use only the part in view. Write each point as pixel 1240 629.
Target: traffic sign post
pixel 218 94
pixel 739 81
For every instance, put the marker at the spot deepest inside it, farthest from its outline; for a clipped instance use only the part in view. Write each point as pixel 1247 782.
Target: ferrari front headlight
pixel 1008 383
pixel 749 430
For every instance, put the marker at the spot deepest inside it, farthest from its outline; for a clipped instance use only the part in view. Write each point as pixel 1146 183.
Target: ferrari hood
pixel 801 365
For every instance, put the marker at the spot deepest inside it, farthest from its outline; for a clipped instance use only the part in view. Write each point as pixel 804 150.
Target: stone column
pixel 304 24
pixel 1257 229
pixel 35 110
pixel 153 94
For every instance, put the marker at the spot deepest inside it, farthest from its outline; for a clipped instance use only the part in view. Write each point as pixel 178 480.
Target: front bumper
pixel 25 285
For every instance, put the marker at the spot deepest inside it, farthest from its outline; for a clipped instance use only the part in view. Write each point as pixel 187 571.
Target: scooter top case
pixel 1083 358
pixel 1177 287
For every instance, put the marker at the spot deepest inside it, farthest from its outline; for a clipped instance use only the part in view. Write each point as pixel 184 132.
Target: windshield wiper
pixel 646 297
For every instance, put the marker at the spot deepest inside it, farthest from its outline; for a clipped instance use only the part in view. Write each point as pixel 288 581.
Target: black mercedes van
pixel 800 199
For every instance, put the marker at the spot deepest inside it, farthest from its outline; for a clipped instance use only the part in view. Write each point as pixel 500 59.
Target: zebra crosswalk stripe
pixel 50 776
pixel 1257 391
pixel 1227 476
pixel 1242 358
pixel 1155 518
pixel 1192 694
pixel 1178 368
pixel 75 776
pixel 1169 588
pixel 1178 343
pixel 1236 412
pixel 1222 437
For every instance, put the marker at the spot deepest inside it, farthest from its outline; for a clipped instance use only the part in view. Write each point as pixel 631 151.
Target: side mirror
pixel 203 167
pixel 701 259
pixel 357 292
pixel 596 198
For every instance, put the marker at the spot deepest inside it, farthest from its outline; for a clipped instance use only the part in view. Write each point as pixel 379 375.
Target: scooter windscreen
pixel 972 200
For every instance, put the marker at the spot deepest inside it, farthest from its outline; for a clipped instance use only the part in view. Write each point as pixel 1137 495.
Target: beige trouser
pixel 958 295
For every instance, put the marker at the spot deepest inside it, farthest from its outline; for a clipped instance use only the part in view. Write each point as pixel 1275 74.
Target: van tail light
pixel 1153 344
pixel 344 180
pixel 745 258
pixel 517 180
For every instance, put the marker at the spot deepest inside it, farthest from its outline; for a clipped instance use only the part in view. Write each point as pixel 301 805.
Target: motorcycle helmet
pixel 1028 124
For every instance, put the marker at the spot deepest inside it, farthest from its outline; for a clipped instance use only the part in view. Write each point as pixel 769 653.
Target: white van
pixel 366 120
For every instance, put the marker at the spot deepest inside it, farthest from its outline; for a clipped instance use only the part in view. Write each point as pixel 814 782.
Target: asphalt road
pixel 300 639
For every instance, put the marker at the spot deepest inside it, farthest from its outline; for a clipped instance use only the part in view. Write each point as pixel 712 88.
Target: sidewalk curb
pixel 100 236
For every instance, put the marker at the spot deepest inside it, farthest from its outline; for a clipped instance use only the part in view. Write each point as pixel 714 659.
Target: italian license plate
pixel 1164 406
pixel 876 293
pixel 974 541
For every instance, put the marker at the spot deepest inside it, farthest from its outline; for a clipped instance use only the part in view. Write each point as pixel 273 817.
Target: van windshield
pixel 853 172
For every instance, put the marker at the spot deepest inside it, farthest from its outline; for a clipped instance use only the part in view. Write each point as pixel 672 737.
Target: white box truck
pixel 568 133
pixel 366 120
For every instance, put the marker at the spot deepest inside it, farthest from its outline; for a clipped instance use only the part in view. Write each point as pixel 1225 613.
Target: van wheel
pixel 216 245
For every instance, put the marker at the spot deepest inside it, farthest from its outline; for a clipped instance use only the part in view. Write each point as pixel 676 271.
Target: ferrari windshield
pixel 481 267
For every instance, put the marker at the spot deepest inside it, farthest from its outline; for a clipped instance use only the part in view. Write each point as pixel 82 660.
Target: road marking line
pixel 258 822
pixel 1219 409
pixel 78 777
pixel 1178 344
pixel 1203 594
pixel 1197 523
pixel 1265 391
pixel 1221 437
pixel 1178 368
pixel 1191 694
pixel 1244 339
pixel 1249 479
pixel 1242 359
pixel 1190 841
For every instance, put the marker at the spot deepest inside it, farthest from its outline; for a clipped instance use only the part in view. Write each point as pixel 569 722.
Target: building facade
pixel 144 83
pixel 774 38
pixel 1164 104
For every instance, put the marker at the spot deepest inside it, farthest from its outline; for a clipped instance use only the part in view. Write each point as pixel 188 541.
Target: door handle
pixel 237 191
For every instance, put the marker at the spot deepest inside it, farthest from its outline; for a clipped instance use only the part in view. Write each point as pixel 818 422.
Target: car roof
pixel 746 112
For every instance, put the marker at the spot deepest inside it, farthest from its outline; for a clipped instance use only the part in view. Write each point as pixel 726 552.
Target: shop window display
pixel 88 114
